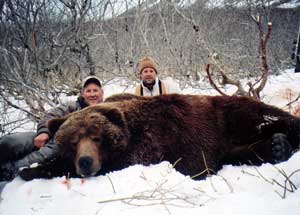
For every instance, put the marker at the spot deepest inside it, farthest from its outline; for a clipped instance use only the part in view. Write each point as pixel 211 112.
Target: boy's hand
pixel 41 139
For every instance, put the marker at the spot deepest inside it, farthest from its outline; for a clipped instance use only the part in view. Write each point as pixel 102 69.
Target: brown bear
pixel 198 133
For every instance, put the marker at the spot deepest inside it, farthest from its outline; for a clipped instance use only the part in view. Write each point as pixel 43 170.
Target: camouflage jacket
pixel 60 111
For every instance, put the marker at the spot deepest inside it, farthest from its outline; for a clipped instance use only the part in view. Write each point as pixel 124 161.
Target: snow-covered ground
pixel 159 189
pixel 291 4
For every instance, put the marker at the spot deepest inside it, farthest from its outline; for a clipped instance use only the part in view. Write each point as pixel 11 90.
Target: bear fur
pixel 198 133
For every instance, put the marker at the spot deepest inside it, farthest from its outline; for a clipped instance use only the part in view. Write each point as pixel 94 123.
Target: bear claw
pixel 281 148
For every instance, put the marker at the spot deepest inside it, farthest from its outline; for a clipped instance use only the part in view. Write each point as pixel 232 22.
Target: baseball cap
pixel 91 79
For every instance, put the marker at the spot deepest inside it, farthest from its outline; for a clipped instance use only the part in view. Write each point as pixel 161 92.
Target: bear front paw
pixel 31 173
pixel 281 148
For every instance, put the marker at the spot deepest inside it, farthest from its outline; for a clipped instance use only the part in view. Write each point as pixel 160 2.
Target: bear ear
pixel 114 115
pixel 54 124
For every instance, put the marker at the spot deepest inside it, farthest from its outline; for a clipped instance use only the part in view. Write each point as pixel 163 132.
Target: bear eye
pixel 117 138
pixel 72 140
pixel 96 139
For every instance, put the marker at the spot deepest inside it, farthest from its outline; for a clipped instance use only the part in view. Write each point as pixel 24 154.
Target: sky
pixel 117 7
pixel 160 189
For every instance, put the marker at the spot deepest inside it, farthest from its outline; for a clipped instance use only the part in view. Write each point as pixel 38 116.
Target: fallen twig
pixel 112 185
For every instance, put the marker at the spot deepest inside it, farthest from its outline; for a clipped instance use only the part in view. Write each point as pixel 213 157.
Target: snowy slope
pixel 159 189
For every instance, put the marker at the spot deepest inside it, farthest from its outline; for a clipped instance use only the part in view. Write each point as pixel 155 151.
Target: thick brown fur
pixel 203 132
pixel 124 96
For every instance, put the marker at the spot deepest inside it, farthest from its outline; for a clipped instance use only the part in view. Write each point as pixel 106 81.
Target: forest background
pixel 47 47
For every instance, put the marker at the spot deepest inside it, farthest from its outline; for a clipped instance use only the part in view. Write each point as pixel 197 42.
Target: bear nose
pixel 85 164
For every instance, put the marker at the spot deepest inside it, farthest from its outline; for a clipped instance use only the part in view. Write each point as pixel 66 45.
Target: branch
pixel 292 102
pixel 35 116
pixel 265 67
pixel 212 83
pixel 252 91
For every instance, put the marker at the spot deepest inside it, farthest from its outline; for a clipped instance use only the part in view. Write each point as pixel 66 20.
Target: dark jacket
pixel 60 111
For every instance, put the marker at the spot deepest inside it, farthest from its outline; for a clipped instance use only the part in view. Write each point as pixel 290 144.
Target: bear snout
pixel 85 164
pixel 88 160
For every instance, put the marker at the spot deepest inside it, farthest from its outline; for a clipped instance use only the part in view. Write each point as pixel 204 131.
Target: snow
pixel 160 189
pixel 222 3
pixel 291 4
pixel 116 8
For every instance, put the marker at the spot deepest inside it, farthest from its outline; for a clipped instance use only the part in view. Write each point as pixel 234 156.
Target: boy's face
pixel 92 94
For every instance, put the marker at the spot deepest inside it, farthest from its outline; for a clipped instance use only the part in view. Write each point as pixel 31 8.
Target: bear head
pixel 90 137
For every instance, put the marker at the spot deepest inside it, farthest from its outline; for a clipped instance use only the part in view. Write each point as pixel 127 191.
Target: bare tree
pixel 44 50
pixel 46 47
pixel 255 88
